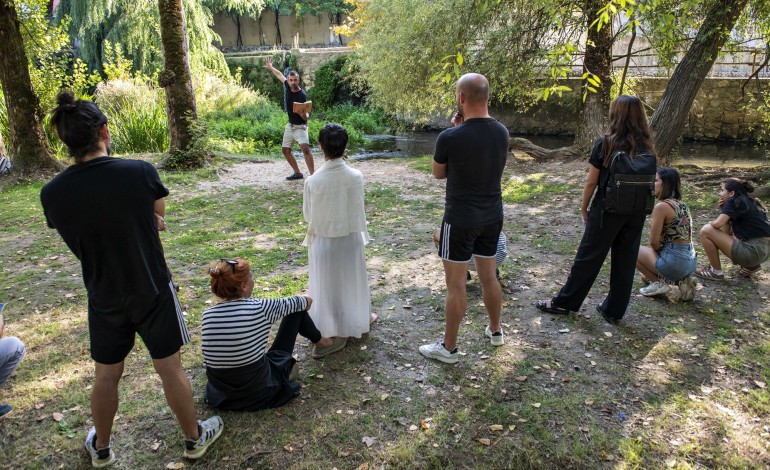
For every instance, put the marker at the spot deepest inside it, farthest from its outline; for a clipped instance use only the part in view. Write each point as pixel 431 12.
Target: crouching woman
pixel 241 375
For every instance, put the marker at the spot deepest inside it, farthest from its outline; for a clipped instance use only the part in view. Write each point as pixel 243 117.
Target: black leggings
pixel 297 322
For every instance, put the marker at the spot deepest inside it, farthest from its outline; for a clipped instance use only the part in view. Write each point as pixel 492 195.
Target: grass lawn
pixel 676 385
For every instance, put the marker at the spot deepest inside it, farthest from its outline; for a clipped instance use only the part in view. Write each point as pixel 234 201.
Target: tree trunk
pixel 278 41
pixel 176 78
pixel 598 61
pixel 238 36
pixel 594 111
pixel 670 116
pixel 28 147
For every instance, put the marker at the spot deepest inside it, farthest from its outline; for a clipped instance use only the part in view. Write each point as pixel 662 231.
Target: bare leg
pixel 714 241
pixel 104 400
pixel 645 263
pixel 456 301
pixel 290 158
pixel 490 290
pixel 308 158
pixel 176 387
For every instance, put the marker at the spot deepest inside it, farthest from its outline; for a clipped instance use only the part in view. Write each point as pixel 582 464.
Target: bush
pixel 136 111
pixel 257 77
pixel 328 83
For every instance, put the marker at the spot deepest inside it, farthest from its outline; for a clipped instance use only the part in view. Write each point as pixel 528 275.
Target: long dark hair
pixel 671 185
pixel 629 130
pixel 742 189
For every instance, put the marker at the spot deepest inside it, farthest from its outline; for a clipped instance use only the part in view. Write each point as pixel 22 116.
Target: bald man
pixel 471 156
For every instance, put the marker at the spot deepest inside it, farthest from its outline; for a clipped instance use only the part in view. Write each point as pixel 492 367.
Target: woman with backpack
pixel 670 256
pixel 630 134
pixel 742 232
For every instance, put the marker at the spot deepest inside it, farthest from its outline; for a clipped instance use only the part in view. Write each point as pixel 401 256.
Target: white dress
pixel 339 286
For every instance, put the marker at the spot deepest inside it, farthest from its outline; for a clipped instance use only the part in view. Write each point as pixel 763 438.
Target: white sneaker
pixel 687 288
pixel 99 457
pixel 495 338
pixel 438 352
pixel 658 287
pixel 209 432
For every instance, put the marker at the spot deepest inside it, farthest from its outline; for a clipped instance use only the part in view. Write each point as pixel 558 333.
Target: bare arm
pixel 660 214
pixel 592 181
pixel 160 213
pixel 276 72
pixel 2 325
pixel 439 170
pixel 720 221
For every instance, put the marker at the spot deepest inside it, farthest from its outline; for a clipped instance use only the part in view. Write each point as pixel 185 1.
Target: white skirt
pixel 339 285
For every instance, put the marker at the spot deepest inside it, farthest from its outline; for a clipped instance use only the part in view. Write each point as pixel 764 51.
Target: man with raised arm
pixel 109 211
pixel 471 156
pixel 296 128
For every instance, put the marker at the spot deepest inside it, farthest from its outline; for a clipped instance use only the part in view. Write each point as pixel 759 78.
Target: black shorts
pixel 158 320
pixel 460 244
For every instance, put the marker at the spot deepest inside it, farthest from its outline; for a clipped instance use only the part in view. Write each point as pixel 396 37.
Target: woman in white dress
pixel 336 236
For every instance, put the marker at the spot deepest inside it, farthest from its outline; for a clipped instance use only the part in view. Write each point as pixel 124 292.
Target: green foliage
pixel 259 78
pixel 135 25
pixel 329 79
pixel 136 112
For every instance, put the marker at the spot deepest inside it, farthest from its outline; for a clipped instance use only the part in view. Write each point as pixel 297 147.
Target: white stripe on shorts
pixel 180 318
pixel 443 252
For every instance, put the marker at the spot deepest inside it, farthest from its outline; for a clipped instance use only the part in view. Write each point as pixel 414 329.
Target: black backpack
pixel 630 184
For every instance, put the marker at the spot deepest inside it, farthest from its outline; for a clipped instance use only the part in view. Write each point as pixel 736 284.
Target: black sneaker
pixel 294 176
pixel 608 319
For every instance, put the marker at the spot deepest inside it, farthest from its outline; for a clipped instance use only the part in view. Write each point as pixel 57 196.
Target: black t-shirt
pixel 746 218
pixel 475 153
pixel 104 211
pixel 291 98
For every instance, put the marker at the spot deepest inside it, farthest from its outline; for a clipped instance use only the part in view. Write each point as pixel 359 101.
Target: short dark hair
pixel 293 73
pixel 671 185
pixel 77 123
pixel 333 138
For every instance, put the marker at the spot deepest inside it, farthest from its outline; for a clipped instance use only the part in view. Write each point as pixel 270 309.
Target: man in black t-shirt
pixel 109 212
pixel 296 128
pixel 471 156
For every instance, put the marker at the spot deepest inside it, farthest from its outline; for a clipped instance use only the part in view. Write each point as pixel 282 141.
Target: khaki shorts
pixel 295 133
pixel 751 252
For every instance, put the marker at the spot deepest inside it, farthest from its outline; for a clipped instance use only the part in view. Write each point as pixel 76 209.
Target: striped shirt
pixel 235 332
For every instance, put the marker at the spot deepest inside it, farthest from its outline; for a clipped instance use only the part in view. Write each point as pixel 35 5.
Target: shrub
pixel 258 78
pixel 136 111
pixel 328 83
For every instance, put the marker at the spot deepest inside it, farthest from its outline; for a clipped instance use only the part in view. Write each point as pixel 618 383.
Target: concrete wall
pixel 718 112
pixel 313 30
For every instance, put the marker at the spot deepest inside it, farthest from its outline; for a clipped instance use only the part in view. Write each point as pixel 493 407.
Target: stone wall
pixel 718 113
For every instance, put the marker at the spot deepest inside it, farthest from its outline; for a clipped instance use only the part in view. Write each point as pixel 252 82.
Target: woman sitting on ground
pixel 241 375
pixel 745 239
pixel 333 207
pixel 670 256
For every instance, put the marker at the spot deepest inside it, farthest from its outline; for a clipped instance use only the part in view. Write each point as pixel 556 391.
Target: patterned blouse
pixel 680 227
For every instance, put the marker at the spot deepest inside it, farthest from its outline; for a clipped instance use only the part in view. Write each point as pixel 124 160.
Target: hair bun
pixel 65 99
pixel 748 187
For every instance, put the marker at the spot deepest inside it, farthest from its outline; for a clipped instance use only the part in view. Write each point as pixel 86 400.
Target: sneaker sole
pixel 103 463
pixel 494 340
pixel 200 452
pixel 655 294
pixel 445 360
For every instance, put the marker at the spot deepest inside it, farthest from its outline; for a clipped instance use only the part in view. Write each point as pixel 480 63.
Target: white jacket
pixel 333 203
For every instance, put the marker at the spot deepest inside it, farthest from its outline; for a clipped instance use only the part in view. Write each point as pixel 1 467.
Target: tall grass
pixel 136 113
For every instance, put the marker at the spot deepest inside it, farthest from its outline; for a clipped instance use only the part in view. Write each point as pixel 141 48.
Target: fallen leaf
pixel 496 427
pixel 57 417
pixel 671 463
pixel 343 453
pixel 485 442
pixel 39 405
pixel 384 396
pixel 413 427
pixel 536 405
pixel 363 466
pixel 175 465
pixel 369 441
pixel 522 378
pixel 288 448
pixel 564 330
pixel 511 427
pixel 608 334
pixel 424 424
pixel 584 429
pixel 319 376
pixel 760 384
pixel 589 402
pixel 155 446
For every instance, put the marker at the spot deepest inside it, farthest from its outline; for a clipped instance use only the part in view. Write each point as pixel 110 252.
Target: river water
pixel 734 154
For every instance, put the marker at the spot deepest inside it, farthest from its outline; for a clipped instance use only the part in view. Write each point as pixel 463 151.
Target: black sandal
pixel 553 310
